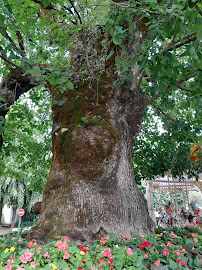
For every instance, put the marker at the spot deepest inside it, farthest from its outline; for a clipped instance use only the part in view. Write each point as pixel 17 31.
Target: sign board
pixel 21 212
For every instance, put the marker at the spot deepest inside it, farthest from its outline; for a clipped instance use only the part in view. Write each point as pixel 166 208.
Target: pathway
pixel 4 230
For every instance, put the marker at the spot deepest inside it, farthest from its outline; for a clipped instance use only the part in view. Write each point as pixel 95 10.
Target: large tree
pixel 104 62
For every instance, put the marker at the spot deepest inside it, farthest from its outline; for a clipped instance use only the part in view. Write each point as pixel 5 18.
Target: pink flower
pixel 13 238
pixel 110 259
pixel 3 245
pixel 195 240
pixel 172 235
pixel 33 264
pixel 161 234
pixel 66 238
pixel 181 247
pixel 157 263
pixel 145 256
pixel 178 260
pixel 142 236
pixel 124 236
pixel 184 264
pixel 9 262
pixel 129 251
pixel 102 260
pixel 107 253
pixel 165 252
pixel 193 234
pixel 177 252
pixel 61 245
pixel 45 254
pixel 169 244
pixel 23 259
pixel 103 241
pixel 111 266
pixel 20 240
pixel 66 256
pixel 39 248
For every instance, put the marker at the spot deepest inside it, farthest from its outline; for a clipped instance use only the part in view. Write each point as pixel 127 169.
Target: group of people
pixel 169 217
pixel 165 216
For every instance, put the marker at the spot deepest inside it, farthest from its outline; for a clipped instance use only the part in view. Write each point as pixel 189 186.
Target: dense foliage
pixel 176 249
pixel 26 153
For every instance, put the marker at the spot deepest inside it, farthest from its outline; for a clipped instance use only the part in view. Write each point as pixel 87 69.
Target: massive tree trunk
pixel 91 191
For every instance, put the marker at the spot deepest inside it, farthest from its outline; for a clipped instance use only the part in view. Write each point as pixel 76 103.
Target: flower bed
pixel 176 249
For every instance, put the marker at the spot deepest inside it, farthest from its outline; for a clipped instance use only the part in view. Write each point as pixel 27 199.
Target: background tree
pixel 102 73
pixel 26 152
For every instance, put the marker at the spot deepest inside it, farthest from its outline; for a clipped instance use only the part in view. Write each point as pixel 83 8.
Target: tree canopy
pixel 39 36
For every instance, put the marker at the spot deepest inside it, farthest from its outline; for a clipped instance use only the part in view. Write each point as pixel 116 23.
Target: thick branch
pixel 20 42
pixel 14 45
pixel 182 44
pixel 162 112
pixel 177 44
pixel 185 89
pixel 12 86
pixel 71 2
pixel 116 3
pixel 155 97
pixel 71 12
pixel 3 57
pixel 198 8
pixel 179 82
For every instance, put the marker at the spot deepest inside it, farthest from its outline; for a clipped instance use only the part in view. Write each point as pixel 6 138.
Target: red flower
pixel 80 268
pixel 178 260
pixel 84 250
pixel 146 243
pixel 83 261
pixel 141 247
pixel 184 264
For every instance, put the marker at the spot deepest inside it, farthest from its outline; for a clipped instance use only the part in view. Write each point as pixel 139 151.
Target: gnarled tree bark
pixel 91 191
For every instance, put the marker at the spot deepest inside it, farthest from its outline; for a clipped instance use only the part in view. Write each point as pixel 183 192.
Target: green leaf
pixel 2 19
pixel 198 28
pixel 83 119
pixel 120 29
pixel 132 27
pixel 46 3
pixel 117 39
pixel 148 71
pixel 70 85
pixel 109 55
pixel 172 264
pixel 197 262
